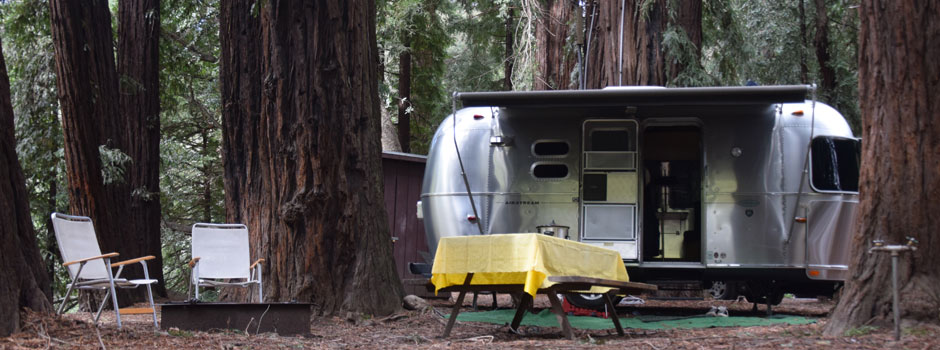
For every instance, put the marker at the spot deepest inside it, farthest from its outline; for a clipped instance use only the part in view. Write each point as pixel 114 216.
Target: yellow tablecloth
pixel 526 259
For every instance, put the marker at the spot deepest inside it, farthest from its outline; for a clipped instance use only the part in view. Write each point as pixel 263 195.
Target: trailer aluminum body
pixel 750 184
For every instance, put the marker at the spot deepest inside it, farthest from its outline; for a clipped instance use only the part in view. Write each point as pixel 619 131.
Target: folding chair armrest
pixel 131 261
pixel 192 263
pixel 103 256
pixel 255 263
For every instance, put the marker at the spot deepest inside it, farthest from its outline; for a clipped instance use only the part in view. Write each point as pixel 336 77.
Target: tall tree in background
pixel 652 33
pixel 404 94
pixel 554 57
pixel 508 56
pixel 320 222
pixel 95 134
pixel 900 99
pixel 631 53
pixel 240 81
pixel 25 283
pixel 138 67
pixel 683 44
pixel 827 75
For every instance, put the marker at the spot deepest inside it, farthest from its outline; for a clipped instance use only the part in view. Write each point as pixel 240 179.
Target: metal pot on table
pixel 554 230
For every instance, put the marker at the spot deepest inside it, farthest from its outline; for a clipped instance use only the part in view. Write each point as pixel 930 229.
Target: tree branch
pixel 191 46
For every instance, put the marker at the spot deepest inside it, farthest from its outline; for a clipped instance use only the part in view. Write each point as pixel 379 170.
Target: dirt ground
pixel 422 329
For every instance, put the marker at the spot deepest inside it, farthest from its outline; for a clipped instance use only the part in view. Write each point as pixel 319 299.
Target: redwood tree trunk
pixel 827 74
pixel 88 95
pixel 508 57
pixel 404 99
pixel 900 179
pixel 240 81
pixel 688 17
pixel 641 60
pixel 138 66
pixel 320 220
pixel 555 61
pixel 22 272
pixel 804 70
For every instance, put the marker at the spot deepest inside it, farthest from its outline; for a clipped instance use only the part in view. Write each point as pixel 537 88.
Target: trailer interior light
pixel 814 273
pixel 798 113
pixel 477 116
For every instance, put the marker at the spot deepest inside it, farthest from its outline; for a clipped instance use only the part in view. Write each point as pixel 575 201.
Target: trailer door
pixel 609 185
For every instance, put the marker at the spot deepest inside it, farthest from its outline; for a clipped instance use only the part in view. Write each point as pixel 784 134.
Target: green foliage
pixel 191 120
pixel 113 163
pixel 760 41
pixel 420 27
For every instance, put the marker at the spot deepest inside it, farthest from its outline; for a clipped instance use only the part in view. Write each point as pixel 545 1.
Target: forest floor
pixel 422 329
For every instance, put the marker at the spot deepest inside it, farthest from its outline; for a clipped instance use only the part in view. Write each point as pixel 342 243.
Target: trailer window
pixel 550 171
pixel 611 140
pixel 550 148
pixel 835 164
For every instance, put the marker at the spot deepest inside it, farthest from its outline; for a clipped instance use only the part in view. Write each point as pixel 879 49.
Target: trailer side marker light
pixel 471 218
pixel 477 116
pixel 798 113
pixel 814 273
pixel 800 219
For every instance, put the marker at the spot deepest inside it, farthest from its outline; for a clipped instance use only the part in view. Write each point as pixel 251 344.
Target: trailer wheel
pixel 590 301
pixel 723 290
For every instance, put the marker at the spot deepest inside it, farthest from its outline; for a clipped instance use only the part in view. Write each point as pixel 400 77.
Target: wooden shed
pixel 404 173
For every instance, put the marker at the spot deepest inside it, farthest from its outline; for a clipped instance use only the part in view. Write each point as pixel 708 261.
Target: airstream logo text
pixel 523 202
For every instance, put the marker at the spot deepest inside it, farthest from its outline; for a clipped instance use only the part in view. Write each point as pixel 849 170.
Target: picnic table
pixel 531 264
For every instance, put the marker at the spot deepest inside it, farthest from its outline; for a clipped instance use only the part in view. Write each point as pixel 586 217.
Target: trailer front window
pixel 835 164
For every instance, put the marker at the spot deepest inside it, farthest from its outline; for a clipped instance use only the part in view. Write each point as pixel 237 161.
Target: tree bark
pixel 320 220
pixel 900 177
pixel 688 17
pixel 827 74
pixel 22 272
pixel 804 70
pixel 89 99
pixel 555 61
pixel 404 98
pixel 138 66
pixel 641 60
pixel 240 82
pixel 508 56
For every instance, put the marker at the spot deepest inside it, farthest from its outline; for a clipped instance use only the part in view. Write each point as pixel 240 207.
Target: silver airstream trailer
pixel 750 188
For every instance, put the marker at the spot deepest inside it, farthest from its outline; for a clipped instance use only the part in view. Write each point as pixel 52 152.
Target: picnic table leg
pixel 524 301
pixel 560 314
pixel 457 305
pixel 613 313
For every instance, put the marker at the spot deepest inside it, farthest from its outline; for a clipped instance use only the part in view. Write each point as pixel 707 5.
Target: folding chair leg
pixel 114 302
pixel 71 286
pixel 260 284
pixel 101 305
pixel 153 309
pixel 65 300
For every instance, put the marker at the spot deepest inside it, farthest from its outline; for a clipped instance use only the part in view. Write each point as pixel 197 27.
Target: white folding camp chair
pixel 89 269
pixel 221 258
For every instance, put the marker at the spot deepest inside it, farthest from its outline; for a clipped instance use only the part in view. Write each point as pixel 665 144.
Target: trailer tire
pixel 723 290
pixel 590 301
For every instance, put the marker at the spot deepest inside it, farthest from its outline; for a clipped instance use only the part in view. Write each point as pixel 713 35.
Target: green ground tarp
pixel 547 319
